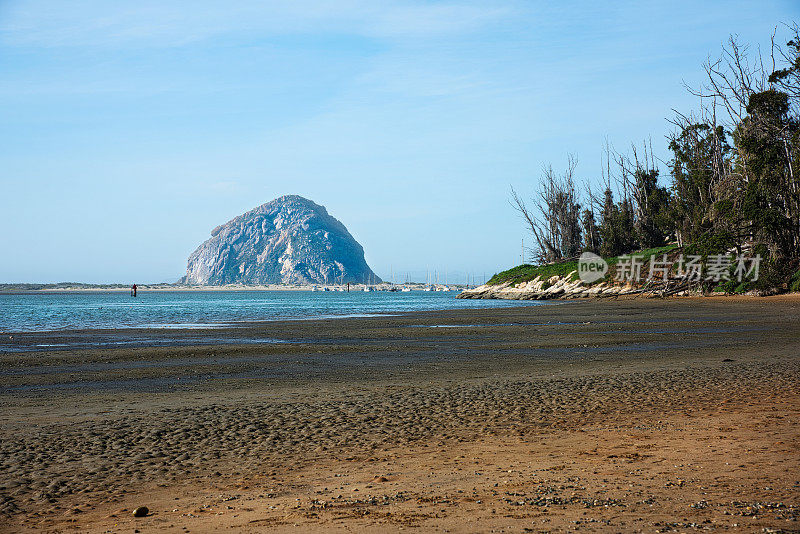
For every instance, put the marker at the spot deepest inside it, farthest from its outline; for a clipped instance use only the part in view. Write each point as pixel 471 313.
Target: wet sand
pixel 626 415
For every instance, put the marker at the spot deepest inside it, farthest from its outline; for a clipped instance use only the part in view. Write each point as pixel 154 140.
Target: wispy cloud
pixel 154 23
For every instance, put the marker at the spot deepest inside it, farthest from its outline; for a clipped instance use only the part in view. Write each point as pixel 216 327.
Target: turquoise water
pixel 202 309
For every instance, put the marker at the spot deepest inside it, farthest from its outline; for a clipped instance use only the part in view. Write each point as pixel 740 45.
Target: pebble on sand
pixel 141 511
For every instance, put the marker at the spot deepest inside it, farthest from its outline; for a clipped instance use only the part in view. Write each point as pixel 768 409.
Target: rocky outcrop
pixel 555 287
pixel 290 240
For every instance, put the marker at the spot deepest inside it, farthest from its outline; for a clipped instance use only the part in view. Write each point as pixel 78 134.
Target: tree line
pixel 733 183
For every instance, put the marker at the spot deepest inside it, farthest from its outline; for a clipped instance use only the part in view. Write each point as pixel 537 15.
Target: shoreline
pixel 227 326
pixel 601 415
pixel 338 288
pixel 116 314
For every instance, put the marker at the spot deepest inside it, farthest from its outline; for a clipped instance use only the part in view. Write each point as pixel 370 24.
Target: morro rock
pixel 290 240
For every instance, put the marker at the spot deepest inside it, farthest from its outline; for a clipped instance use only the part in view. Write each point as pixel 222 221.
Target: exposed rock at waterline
pixel 555 287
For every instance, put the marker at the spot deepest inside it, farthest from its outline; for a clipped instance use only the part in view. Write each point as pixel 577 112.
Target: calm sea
pixel 203 309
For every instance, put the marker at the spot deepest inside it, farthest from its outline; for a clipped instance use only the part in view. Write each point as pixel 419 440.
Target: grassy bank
pixel 526 273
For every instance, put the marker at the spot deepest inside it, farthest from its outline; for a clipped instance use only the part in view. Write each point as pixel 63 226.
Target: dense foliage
pixel 734 183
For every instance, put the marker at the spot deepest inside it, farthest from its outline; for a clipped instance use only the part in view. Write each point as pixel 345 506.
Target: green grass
pixel 794 283
pixel 527 272
pixel 657 251
pixel 524 273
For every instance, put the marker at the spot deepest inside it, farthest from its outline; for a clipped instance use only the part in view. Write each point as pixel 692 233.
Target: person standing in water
pixel 133 290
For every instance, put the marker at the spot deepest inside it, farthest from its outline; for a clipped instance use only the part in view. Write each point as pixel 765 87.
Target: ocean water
pixel 41 312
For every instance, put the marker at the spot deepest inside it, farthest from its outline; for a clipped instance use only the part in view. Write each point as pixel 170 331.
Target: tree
pixel 700 162
pixel 591 232
pixel 554 220
pixel 752 184
pixel 767 142
pixel 616 226
pixel 648 201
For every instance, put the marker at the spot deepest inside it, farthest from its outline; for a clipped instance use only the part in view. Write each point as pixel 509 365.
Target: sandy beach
pixel 617 415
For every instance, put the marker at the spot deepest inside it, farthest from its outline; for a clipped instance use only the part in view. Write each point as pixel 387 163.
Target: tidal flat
pixel 603 415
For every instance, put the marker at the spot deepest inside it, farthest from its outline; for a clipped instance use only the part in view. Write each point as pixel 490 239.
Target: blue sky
pixel 131 129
